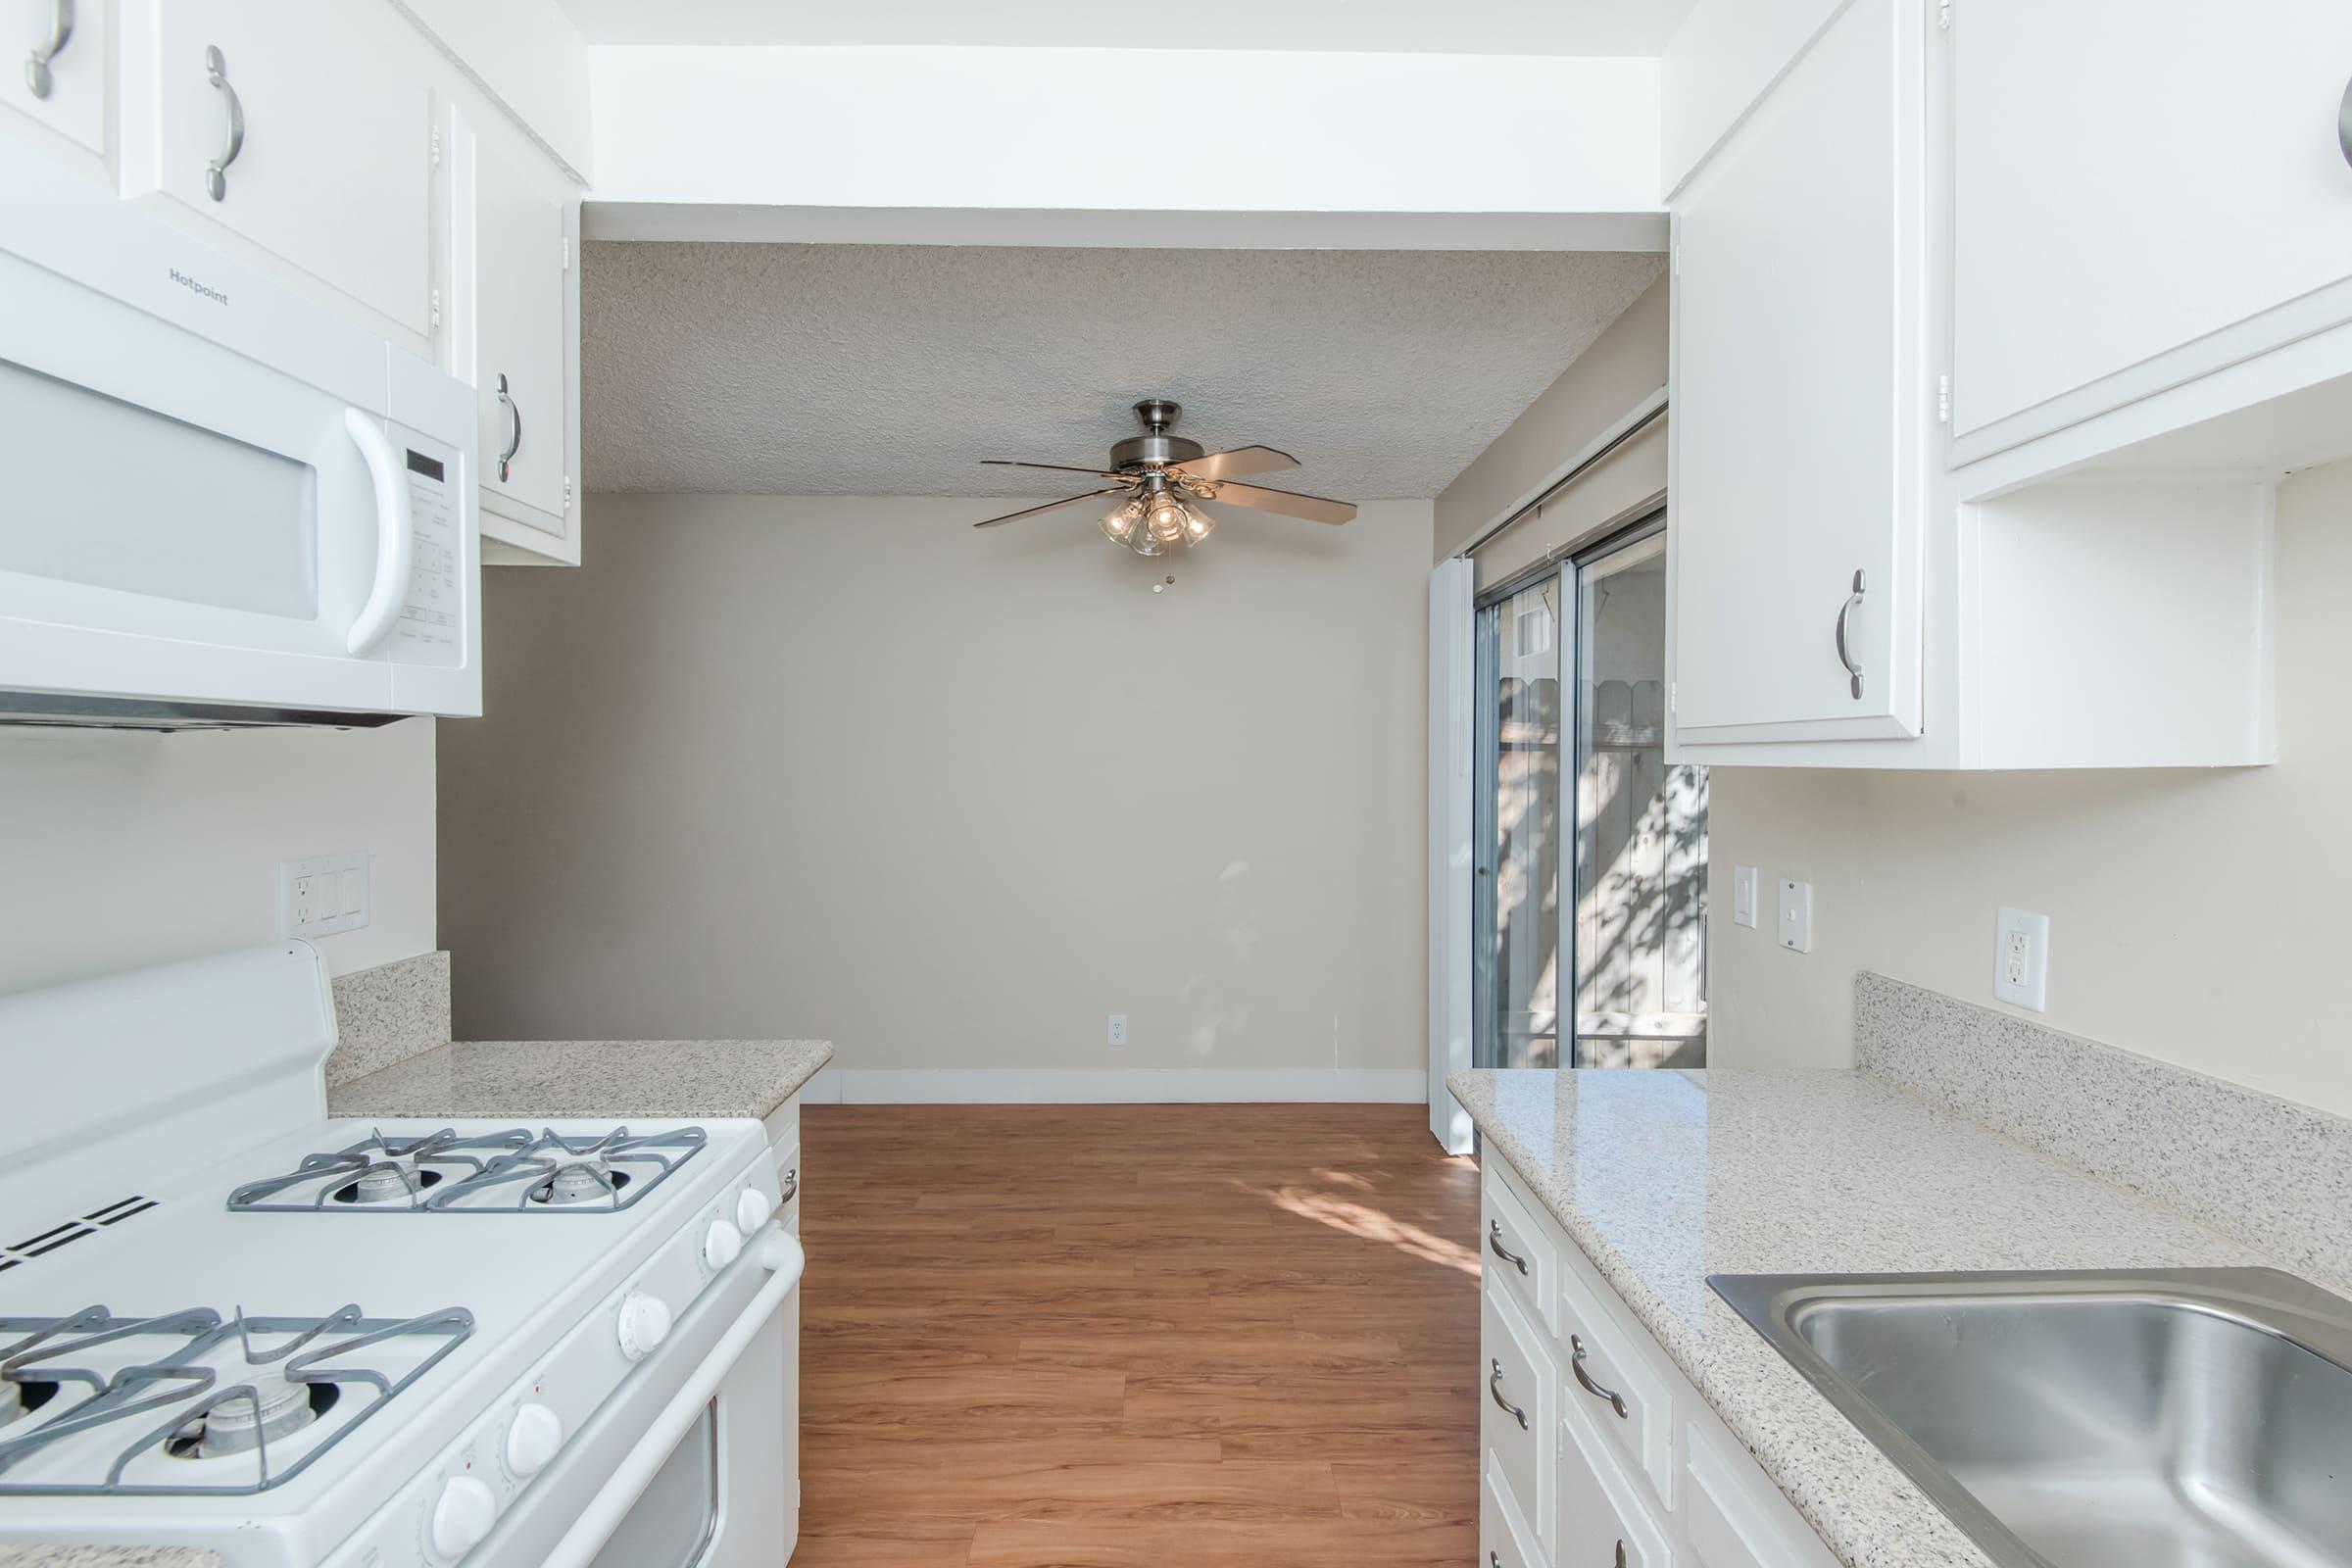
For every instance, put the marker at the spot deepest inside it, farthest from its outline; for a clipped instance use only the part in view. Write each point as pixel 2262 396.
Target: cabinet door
pixel 1798 409
pixel 518 369
pixel 334 171
pixel 58 75
pixel 2128 179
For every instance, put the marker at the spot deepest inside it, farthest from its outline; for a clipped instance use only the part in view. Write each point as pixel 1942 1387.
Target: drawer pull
pixel 37 80
pixel 216 173
pixel 1494 1244
pixel 1576 1365
pixel 792 1187
pixel 1494 1390
pixel 2343 124
pixel 1494 1560
pixel 1853 665
pixel 505 459
pixel 1620 1554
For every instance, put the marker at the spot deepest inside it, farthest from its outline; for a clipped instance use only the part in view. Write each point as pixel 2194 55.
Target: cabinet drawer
pixel 1518 1250
pixel 1518 1409
pixel 1502 1536
pixel 1607 1376
pixel 1604 1522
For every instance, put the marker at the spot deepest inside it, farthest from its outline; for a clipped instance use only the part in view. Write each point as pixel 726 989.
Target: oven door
pixel 209 499
pixel 687 1465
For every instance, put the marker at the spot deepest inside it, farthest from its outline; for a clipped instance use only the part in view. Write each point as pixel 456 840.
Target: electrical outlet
pixel 2021 959
pixel 321 896
pixel 1797 916
pixel 1119 1029
pixel 1743 895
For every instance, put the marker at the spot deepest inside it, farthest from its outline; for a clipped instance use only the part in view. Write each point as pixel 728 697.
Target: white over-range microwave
pixel 219 503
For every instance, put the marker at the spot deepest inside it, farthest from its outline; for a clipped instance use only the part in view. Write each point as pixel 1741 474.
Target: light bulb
pixel 1121 522
pixel 1166 519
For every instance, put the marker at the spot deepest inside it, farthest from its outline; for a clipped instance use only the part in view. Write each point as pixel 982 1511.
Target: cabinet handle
pixel 1494 1244
pixel 1853 669
pixel 505 459
pixel 1495 1392
pixel 216 173
pixel 2343 123
pixel 1621 1553
pixel 792 1187
pixel 1576 1365
pixel 37 80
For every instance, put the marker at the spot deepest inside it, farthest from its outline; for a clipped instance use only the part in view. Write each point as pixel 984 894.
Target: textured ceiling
pixel 1460 27
pixel 856 370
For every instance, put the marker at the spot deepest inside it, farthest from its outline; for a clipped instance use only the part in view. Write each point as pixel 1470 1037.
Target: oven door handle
pixel 782 1255
pixel 395 534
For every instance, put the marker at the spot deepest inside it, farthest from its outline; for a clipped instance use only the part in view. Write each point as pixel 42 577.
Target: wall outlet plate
pixel 1797 916
pixel 2021 959
pixel 322 896
pixel 1117 1035
pixel 1743 895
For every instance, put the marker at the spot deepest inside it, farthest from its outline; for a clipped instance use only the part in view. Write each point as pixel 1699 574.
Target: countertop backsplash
pixel 387 1015
pixel 2270 1172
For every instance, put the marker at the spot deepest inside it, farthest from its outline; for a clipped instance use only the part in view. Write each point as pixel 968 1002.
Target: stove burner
pixel 263 1409
pixel 581 1182
pixel 267 1394
pixel 504 1172
pixel 390 1181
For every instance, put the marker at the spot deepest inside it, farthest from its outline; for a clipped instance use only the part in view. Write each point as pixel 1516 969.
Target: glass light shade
pixel 1166 519
pixel 1145 543
pixel 1122 521
pixel 1196 524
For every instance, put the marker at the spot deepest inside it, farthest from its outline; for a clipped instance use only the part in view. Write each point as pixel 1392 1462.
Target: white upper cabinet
pixel 303 126
pixel 2142 194
pixel 523 307
pixel 1798 430
pixel 58 77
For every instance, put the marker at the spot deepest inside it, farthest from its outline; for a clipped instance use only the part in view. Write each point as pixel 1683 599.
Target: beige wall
pixel 850 768
pixel 2196 917
pixel 1625 364
pixel 123 850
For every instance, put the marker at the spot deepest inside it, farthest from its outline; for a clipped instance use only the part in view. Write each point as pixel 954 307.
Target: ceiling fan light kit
pixel 1161 479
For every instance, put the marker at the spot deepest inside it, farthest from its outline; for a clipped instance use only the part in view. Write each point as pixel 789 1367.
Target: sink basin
pixel 2167 1418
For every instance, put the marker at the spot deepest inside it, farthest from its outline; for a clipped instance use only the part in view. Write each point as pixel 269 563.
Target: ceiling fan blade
pixel 1238 461
pixel 1056 505
pixel 1314 508
pixel 1057 467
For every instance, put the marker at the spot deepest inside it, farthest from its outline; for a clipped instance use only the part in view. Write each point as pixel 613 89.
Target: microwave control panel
pixel 432 619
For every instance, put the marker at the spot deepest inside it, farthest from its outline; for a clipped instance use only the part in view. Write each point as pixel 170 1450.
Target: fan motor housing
pixel 1147 451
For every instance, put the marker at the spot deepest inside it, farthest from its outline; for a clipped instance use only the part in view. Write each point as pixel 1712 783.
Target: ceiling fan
pixel 1163 479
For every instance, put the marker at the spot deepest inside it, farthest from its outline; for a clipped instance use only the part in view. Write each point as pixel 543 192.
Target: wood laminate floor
pixel 1137 1336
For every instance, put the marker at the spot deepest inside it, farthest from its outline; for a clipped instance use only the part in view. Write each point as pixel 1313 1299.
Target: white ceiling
pixel 847 370
pixel 1409 26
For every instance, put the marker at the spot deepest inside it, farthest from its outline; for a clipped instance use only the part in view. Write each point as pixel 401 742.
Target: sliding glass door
pixel 1571 683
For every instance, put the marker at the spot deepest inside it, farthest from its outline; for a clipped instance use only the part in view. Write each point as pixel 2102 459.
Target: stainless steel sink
pixel 2172 1418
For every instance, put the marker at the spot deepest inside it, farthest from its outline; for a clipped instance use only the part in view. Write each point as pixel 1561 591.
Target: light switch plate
pixel 322 896
pixel 1797 916
pixel 1743 895
pixel 2021 959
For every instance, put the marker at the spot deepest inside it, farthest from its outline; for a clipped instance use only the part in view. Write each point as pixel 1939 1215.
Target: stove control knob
pixel 752 1210
pixel 722 1244
pixel 532 1441
pixel 644 1325
pixel 462 1517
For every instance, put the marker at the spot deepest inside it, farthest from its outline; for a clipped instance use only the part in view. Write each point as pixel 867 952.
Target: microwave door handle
pixel 394 529
pixel 777 1251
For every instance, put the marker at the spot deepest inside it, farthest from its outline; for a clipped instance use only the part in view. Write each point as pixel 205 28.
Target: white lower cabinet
pixel 1623 1467
pixel 783 1126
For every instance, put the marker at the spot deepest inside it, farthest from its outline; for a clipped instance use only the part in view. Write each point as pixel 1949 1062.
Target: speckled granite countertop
pixel 107 1557
pixel 1663 1178
pixel 589 1078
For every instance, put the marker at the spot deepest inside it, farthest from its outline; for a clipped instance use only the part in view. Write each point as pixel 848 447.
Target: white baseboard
pixel 1136 1085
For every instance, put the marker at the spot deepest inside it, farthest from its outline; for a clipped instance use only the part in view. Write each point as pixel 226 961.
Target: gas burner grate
pixel 98 1404
pixel 504 1172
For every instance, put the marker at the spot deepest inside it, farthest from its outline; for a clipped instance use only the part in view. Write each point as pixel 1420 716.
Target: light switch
pixel 1743 895
pixel 323 895
pixel 1797 916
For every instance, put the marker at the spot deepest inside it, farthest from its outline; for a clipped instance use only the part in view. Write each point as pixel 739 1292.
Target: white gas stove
pixel 330 1343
